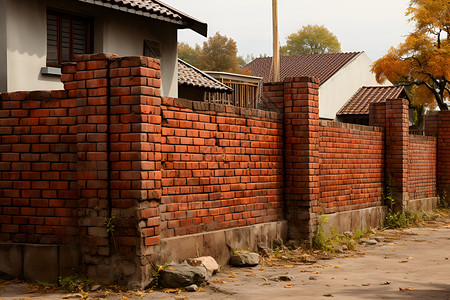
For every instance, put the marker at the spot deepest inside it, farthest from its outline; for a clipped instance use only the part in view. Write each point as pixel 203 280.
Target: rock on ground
pixel 244 259
pixel 206 261
pixel 182 275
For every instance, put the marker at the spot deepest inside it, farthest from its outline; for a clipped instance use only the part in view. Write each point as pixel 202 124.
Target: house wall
pixel 114 31
pixel 3 56
pixel 337 90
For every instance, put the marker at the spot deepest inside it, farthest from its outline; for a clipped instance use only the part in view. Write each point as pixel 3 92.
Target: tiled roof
pixel 360 102
pixel 322 66
pixel 191 76
pixel 154 9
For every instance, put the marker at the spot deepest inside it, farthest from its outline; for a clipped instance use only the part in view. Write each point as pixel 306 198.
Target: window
pixel 151 49
pixel 67 37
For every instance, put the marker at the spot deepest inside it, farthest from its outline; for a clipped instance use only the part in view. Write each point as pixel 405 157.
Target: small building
pixel 197 85
pixel 37 36
pixel 356 110
pixel 247 90
pixel 340 75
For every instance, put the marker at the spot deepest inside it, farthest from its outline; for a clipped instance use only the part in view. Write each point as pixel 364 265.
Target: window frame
pixel 88 21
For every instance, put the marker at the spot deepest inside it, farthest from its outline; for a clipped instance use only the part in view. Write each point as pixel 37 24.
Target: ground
pixel 408 264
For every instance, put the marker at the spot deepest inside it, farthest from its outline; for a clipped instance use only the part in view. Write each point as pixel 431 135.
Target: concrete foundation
pixel 355 219
pixel 38 263
pixel 425 204
pixel 219 244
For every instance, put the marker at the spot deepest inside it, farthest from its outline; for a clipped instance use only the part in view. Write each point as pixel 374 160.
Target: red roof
pixel 154 9
pixel 360 102
pixel 321 66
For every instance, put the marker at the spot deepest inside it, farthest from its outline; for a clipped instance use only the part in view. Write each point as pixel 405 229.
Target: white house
pixel 36 36
pixel 340 75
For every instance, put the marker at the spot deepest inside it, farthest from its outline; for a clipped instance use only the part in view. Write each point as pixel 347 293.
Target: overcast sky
pixel 372 26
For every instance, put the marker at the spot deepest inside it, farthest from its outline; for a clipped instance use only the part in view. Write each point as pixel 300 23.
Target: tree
pixel 311 39
pixel 422 61
pixel 219 53
pixel 189 54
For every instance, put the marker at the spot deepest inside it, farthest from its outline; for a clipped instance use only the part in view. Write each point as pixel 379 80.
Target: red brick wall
pixel 221 167
pixel 351 166
pixel 38 188
pixel 422 167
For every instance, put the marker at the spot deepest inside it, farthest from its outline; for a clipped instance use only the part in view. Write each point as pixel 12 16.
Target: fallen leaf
pixel 232 275
pixel 405 289
pixel 181 297
pixel 288 286
pixel 328 295
pixel 201 289
pixel 219 281
pixel 365 284
pixel 266 283
pixel 404 261
pixel 172 291
pixel 337 267
pixel 288 266
pixel 171 269
pixel 124 298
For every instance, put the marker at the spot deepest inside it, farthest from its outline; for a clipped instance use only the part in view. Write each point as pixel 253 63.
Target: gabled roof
pixel 154 9
pixel 191 76
pixel 360 102
pixel 321 66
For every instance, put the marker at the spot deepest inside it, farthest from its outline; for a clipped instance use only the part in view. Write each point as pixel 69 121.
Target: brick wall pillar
pixel 301 121
pixel 136 161
pixel 443 156
pixel 119 162
pixel 89 84
pixel 397 148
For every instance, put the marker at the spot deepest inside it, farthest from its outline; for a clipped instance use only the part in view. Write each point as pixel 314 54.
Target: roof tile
pixel 321 66
pixel 360 102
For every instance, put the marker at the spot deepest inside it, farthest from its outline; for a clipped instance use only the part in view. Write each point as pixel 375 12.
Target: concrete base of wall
pixel 425 204
pixel 43 263
pixel 219 244
pixel 355 219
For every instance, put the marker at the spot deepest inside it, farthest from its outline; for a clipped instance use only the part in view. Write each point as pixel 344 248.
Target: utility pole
pixel 276 43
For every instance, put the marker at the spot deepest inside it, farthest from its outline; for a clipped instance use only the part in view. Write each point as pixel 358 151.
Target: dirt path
pixel 408 264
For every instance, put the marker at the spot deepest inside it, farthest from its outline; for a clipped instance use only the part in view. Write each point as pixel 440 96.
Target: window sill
pixel 52 71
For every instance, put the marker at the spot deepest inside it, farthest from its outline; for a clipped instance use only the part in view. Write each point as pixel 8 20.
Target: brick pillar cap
pixel 96 56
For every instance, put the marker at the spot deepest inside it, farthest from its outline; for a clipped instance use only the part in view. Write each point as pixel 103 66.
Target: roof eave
pixel 185 22
pixel 192 23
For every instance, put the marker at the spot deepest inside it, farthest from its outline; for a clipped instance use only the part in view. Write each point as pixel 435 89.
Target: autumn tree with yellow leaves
pixel 422 61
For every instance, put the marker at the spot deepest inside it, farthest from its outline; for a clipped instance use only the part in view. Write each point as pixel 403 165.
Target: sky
pixel 372 26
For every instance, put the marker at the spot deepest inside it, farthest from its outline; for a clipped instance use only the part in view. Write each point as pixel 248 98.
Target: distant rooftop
pixel 360 102
pixel 321 66
pixel 154 9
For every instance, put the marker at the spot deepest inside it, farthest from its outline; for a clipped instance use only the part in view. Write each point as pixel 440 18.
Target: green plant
pixel 322 240
pixel 73 284
pixel 109 223
pixel 156 277
pixel 111 227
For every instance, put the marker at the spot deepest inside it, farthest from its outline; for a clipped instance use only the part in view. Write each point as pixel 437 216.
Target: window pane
pixel 67 37
pixel 52 39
